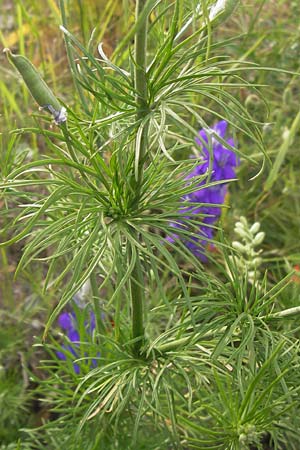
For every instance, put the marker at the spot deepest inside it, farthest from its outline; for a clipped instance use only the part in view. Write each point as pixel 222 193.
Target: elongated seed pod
pixel 39 90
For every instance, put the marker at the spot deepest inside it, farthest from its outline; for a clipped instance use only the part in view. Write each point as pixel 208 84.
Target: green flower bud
pixel 243 438
pixel 256 262
pixel 243 221
pixel 255 227
pixel 251 275
pixel 238 246
pixel 259 238
pixel 242 233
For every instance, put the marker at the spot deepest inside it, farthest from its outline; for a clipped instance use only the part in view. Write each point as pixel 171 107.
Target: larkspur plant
pixel 181 356
pixel 218 165
pixel 71 350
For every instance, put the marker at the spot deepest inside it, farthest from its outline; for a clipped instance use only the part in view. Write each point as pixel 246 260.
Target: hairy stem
pixel 71 58
pixel 140 49
pixel 137 305
pixel 96 301
pixel 140 83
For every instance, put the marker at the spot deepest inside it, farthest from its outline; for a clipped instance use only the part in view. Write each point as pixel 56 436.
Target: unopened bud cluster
pixel 250 237
pixel 248 435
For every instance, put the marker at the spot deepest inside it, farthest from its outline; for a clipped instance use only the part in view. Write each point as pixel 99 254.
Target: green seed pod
pixel 39 90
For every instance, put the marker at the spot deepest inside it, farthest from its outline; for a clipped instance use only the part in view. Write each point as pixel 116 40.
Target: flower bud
pixel 259 238
pixel 255 227
pixel 238 246
pixel 243 439
pixel 256 262
pixel 239 225
pixel 244 221
pixel 242 232
pixel 251 275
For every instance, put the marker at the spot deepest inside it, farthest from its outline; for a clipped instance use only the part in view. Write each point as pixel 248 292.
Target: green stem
pixel 8 295
pixel 96 302
pixel 137 305
pixel 140 49
pixel 140 83
pixel 119 278
pixel 71 57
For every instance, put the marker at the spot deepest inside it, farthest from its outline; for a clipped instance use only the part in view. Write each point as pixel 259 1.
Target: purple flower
pixel 67 321
pixel 219 164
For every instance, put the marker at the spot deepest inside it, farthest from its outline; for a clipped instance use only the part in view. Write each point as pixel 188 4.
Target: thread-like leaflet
pixel 39 90
pixel 221 10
